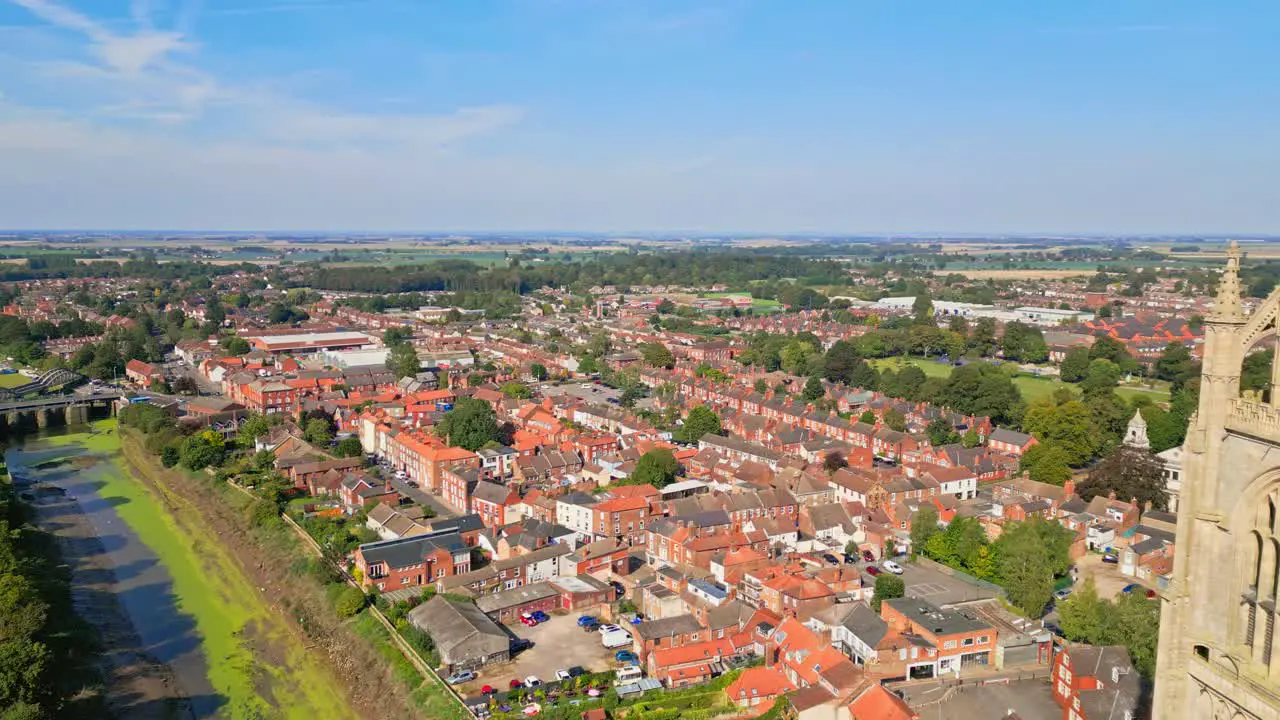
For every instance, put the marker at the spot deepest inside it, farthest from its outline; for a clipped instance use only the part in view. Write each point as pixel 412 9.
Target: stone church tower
pixel 1219 654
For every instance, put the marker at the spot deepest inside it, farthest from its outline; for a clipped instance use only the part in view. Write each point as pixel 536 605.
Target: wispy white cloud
pixel 142 76
pixel 126 54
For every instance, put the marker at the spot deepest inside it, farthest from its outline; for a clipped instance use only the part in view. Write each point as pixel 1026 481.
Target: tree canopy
pixel 402 360
pixel 1131 473
pixel 656 355
pixel 470 424
pixel 700 421
pixel 657 468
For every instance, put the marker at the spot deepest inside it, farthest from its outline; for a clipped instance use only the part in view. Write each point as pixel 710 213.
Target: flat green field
pixel 233 619
pixel 13 380
pixel 931 368
pixel 1033 388
pixel 757 304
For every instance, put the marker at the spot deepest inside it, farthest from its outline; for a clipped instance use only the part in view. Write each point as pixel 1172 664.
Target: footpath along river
pixel 186 634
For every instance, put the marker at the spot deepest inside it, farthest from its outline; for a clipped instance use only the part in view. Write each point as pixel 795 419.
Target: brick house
pixel 142 373
pixel 620 518
pixel 960 640
pixel 669 632
pixel 412 561
pixel 1010 442
pixel 1092 682
pixel 494 503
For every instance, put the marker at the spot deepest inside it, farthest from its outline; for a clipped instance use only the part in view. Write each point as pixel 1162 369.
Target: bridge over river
pixel 45 410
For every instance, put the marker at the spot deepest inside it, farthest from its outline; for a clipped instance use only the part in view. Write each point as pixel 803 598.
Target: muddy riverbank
pixel 153 667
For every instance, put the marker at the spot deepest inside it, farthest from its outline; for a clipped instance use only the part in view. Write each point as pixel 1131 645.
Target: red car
pixel 488 690
pixel 873 571
pixel 528 621
pixel 515 683
pixel 868 556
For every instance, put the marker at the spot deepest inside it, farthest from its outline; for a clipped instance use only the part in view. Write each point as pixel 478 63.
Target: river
pixel 157 668
pixel 188 635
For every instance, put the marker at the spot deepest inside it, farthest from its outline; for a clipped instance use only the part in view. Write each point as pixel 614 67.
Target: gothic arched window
pixel 1262 582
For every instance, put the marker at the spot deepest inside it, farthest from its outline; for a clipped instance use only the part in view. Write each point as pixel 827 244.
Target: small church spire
pixel 1226 307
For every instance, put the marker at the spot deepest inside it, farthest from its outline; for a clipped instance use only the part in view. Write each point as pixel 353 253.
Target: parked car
pixel 850 559
pixel 515 683
pixel 488 690
pixel 1130 587
pixel 831 559
pixel 528 620
pixel 577 670
pixel 532 681
pixel 1055 630
pixel 1151 594
pixel 624 656
pixel 584 620
pixel 460 677
pixel 541 616
pixel 868 556
pixel 591 626
pixel 608 628
pixel 562 675
pixel 1062 594
pixel 892 567
pixel 1113 559
pixel 872 570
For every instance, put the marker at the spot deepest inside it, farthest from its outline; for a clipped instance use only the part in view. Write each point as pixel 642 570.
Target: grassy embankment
pixel 230 615
pixel 1033 388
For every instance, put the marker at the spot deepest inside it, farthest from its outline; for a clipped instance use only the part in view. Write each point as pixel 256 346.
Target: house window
pixel 967 642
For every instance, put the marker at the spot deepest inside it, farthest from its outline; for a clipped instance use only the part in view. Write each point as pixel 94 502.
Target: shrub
pixel 261 513
pixel 349 602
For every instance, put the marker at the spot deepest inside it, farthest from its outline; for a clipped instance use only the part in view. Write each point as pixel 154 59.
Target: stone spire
pixel 1136 434
pixel 1226 308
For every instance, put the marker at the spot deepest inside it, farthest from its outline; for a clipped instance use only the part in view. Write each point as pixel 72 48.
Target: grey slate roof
pixel 865 624
pixel 666 627
pixel 1013 437
pixel 461 631
pixel 403 552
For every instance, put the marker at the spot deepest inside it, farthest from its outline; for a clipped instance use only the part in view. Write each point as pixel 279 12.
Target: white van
pixel 615 639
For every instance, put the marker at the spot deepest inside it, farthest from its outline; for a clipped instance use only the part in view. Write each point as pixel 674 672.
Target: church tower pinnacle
pixel 1226 307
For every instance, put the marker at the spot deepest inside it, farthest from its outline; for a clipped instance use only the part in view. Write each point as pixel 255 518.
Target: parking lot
pixel 1031 699
pixel 939 588
pixel 594 393
pixel 1106 576
pixel 557 644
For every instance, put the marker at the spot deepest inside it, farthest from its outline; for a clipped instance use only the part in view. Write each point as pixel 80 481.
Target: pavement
pixel 939 588
pixel 1031 699
pixel 557 644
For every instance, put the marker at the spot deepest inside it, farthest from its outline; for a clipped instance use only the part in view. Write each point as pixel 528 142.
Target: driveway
pixel 420 496
pixel 557 644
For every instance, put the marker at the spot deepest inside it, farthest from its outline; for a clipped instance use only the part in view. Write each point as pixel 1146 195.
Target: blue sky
pixel 624 115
